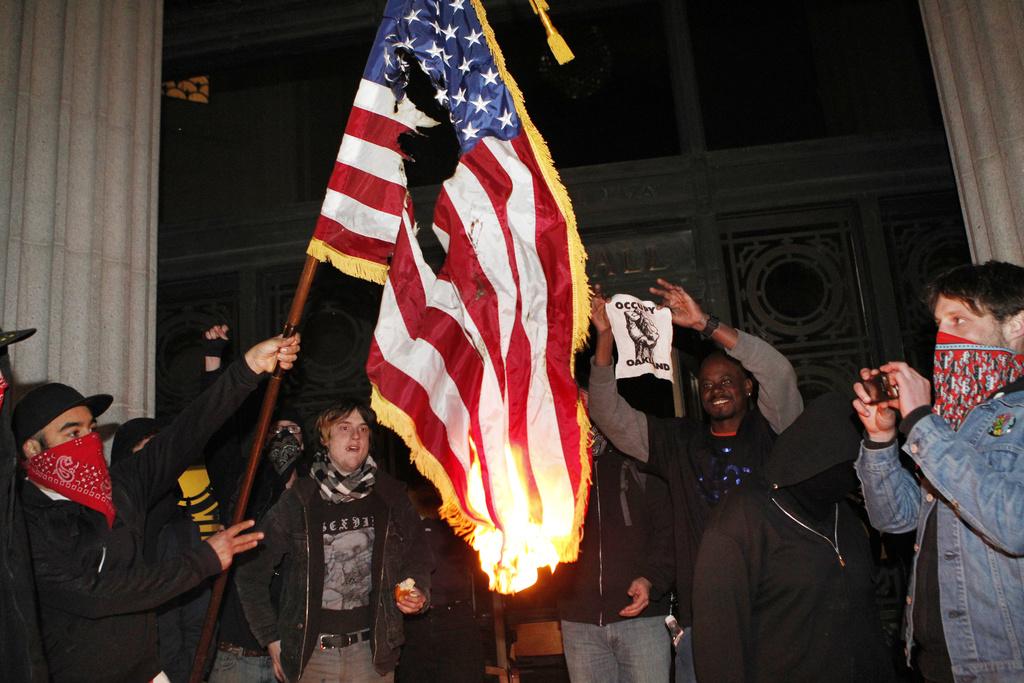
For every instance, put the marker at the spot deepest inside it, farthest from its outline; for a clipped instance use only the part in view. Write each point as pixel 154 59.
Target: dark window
pixel 804 69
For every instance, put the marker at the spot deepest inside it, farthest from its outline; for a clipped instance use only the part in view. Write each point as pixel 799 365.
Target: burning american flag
pixel 472 366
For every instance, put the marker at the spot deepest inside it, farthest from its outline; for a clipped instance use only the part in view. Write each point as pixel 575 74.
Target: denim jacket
pixel 979 471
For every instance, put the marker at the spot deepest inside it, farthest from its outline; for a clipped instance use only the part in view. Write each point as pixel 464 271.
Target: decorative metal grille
pixel 795 280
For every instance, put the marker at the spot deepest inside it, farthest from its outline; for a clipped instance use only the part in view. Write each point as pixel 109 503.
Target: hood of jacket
pixel 825 435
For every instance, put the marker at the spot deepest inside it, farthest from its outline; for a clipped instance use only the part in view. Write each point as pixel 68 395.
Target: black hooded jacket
pixel 21 649
pixel 627 534
pixel 775 601
pixel 96 592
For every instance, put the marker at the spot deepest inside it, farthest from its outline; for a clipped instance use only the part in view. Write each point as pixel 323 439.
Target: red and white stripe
pixel 472 354
pixel 365 195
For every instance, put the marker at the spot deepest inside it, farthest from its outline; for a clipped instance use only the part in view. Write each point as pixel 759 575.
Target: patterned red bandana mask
pixel 77 470
pixel 967 373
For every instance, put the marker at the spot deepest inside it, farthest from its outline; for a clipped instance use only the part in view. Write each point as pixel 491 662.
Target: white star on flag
pixel 480 103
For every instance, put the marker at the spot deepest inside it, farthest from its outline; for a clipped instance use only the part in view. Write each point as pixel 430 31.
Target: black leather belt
pixel 240 651
pixel 336 641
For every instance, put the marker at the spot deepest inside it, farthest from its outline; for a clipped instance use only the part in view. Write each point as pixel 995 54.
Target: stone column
pixel 977 51
pixel 79 127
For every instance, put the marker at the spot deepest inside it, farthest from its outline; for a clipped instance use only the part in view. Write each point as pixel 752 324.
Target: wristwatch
pixel 710 326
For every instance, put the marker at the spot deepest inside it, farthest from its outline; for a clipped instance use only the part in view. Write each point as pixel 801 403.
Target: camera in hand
pixel 881 388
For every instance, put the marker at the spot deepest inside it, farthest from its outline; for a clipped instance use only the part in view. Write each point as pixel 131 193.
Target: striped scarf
pixel 341 488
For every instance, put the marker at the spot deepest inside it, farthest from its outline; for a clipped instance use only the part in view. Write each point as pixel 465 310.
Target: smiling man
pixel 348 542
pixel 701 462
pixel 965 614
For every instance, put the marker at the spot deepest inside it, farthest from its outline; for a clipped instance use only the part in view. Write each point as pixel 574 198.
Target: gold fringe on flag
pixel 394 418
pixel 350 265
pixel 577 255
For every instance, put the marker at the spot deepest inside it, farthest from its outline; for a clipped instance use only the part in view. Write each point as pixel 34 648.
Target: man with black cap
pixel 783 588
pixel 21 649
pixel 86 523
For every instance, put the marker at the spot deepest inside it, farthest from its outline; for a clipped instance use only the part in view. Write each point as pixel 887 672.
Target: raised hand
pixel 216 332
pixel 598 314
pixel 214 341
pixel 685 311
pixel 265 356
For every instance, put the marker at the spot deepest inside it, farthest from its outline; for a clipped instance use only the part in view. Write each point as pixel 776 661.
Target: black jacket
pixel 21 647
pixel 775 602
pixel 180 620
pixel 96 593
pixel 294 543
pixel 613 551
pixel 680 449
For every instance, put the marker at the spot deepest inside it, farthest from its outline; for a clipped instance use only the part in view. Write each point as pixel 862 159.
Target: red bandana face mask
pixel 77 470
pixel 3 390
pixel 967 373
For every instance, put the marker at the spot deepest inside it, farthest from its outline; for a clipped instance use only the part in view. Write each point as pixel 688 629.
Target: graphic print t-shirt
pixel 348 533
pixel 722 470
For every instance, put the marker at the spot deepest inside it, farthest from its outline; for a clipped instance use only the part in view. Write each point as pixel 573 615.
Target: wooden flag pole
pixel 262 427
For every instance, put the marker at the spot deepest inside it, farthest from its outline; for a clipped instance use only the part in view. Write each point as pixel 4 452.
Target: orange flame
pixel 512 554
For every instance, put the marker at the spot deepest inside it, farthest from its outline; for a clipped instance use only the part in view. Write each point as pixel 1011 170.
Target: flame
pixel 512 554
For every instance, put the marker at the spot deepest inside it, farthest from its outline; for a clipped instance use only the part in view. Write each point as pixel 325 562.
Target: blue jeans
pixel 630 651
pixel 352 664
pixel 232 668
pixel 684 658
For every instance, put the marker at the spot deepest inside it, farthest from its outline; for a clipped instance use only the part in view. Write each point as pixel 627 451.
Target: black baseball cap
pixel 43 404
pixel 15 336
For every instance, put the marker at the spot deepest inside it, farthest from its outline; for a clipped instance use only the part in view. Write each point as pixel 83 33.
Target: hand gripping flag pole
pixel 262 427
